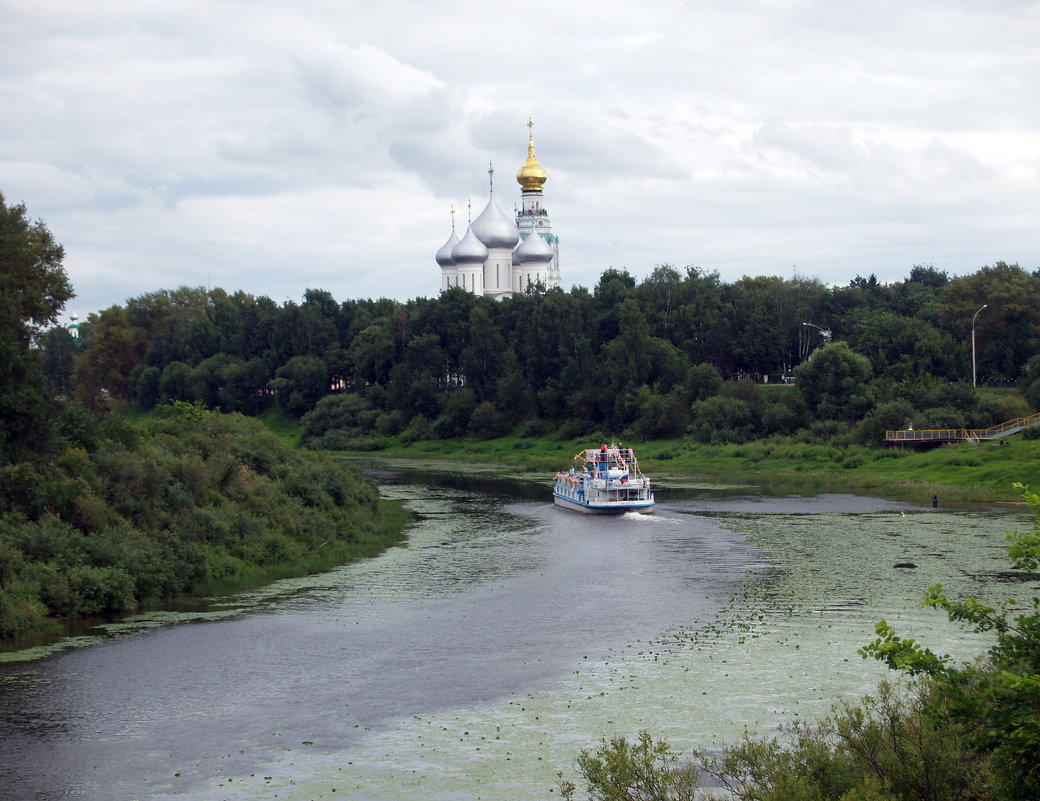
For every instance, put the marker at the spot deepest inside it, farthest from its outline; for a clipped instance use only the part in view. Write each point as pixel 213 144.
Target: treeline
pixel 675 353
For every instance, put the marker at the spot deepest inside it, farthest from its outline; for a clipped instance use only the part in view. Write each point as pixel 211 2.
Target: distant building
pixel 497 256
pixel 73 326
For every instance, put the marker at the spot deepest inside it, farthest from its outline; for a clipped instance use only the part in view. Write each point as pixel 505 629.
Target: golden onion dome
pixel 531 175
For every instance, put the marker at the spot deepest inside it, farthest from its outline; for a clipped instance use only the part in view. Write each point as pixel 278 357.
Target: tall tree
pixel 486 357
pixel 834 383
pixel 33 291
pixel 702 329
pixel 31 262
pixel 659 296
pixel 613 288
pixel 1007 332
pixel 114 350
pixel 59 349
pixel 372 351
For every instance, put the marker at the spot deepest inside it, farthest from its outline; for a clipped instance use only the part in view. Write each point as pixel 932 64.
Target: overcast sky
pixel 276 146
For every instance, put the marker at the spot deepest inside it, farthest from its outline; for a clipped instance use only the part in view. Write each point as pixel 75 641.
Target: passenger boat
pixel 608 482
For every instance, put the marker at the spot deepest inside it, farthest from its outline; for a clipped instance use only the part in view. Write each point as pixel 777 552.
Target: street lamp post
pixel 973 383
pixel 825 334
pixel 825 331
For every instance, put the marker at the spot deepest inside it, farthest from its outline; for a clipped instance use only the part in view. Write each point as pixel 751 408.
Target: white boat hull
pixel 604 509
pixel 619 507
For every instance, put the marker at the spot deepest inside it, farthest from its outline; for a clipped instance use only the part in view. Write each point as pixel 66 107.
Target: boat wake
pixel 638 517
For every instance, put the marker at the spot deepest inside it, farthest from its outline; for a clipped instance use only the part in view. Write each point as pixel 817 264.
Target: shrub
pixel 660 416
pixel 389 423
pixel 853 460
pixel 720 419
pixel 940 417
pixel 333 412
pixel 19 612
pixel 487 422
pixel 621 771
pixel 884 747
pixel 418 429
pixel 894 414
pixel 533 428
pixel 458 408
pixel 187 502
pixel 572 429
pixel 704 381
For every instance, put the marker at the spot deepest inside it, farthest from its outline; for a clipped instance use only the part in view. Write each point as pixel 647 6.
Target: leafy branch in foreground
pixel 882 748
pixel 969 733
pixel 996 700
pixel 1024 547
pixel 903 654
pixel 886 747
pixel 624 771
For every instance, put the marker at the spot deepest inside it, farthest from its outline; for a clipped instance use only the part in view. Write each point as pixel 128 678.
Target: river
pixel 477 659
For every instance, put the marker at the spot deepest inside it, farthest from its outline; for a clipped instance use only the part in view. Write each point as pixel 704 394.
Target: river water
pixel 477 659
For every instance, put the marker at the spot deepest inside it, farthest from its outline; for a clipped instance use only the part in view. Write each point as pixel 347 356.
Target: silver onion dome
pixel 444 258
pixel 470 250
pixel 533 250
pixel 494 228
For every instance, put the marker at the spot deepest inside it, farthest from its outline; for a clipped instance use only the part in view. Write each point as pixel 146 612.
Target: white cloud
pixel 274 147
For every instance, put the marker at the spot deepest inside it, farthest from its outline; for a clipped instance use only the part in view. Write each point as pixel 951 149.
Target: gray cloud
pixel 275 147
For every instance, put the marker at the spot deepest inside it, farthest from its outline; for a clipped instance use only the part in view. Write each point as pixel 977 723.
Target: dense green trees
pixel 632 358
pixel 1007 330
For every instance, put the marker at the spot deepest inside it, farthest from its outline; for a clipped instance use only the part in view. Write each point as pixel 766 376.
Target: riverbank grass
pixel 390 530
pixel 964 472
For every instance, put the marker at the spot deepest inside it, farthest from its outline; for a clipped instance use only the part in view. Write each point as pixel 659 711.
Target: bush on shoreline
pixel 187 502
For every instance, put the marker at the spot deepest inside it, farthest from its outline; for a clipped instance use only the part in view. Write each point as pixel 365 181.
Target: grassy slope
pixel 179 513
pixel 288 429
pixel 961 471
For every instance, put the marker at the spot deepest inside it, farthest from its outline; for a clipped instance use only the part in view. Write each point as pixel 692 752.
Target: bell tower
pixel 531 217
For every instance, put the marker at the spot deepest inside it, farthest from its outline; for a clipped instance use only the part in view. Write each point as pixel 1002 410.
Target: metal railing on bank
pixel 913 436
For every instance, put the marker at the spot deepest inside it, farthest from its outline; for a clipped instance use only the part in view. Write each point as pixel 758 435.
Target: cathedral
pixel 497 256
